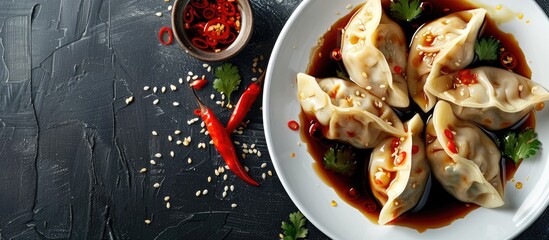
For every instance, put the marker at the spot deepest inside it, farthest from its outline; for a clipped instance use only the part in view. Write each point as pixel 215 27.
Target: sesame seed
pixel 170 138
pixel 209 69
pixel 216 172
pixel 159 14
pixel 245 150
pixel 198 193
pixel 173 87
pixel 147 221
pixel 234 205
pixel 195 77
pixel 226 188
pixel 188 78
pixel 155 102
pixel 263 175
pixel 158 155
pixel 246 169
pixel 263 165
pixel 175 104
pixel 153 162
pixel 168 205
pixel 172 153
pixel 146 88
pixel 253 145
pixel 190 73
pixel 232 188
pixel 236 142
pixel 202 130
pixel 211 142
pixel 189 161
pixel 154 133
pixel 212 96
pixel 205 191
pixel 163 90
pixel 270 173
pixel 143 170
pixel 209 179
pixel 225 176
pixel 166 198
pixel 129 100
pixel 258 153
pixel 224 194
pixel 244 145
pixel 156 185
pixel 178 142
pixel 243 155
pixel 180 80
pixel 177 132
pixel 155 89
pixel 254 150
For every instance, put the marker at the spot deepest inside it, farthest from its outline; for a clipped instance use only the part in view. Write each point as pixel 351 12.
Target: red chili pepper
pixel 244 104
pixel 217 28
pixel 449 134
pixel 212 42
pixel 208 12
pixel 229 40
pixel 200 3
pixel 188 14
pixel 336 54
pixel 508 60
pixel 199 43
pixel 228 9
pixel 452 146
pixel 223 143
pixel 165 30
pixel 197 112
pixel 199 83
pixel 199 28
pixel 293 125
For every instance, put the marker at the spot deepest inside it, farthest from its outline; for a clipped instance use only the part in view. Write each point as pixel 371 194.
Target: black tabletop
pixel 89 96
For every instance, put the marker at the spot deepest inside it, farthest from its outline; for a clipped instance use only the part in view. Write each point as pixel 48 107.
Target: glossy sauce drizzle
pixel 440 208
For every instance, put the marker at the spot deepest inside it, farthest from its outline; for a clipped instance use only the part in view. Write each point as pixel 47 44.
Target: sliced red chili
pixel 452 146
pixel 199 83
pixel 336 54
pixel 188 14
pixel 200 3
pixel 228 9
pixel 212 42
pixel 199 28
pixel 449 134
pixel 228 40
pixel 398 69
pixel 163 31
pixel 199 43
pixel 314 130
pixel 293 125
pixel 400 158
pixel 394 144
pixel 217 29
pixel 508 60
pixel 208 13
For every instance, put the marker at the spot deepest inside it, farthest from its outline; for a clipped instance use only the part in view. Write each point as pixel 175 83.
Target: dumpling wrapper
pixel 399 184
pixel 374 52
pixel 472 174
pixel 440 47
pixel 347 112
pixel 497 100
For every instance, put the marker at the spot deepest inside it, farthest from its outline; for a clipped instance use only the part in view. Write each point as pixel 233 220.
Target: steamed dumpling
pixel 398 171
pixel 464 159
pixel 492 97
pixel 347 112
pixel 440 47
pixel 374 53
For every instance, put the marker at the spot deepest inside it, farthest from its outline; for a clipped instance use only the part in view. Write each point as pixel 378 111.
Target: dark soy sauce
pixel 440 208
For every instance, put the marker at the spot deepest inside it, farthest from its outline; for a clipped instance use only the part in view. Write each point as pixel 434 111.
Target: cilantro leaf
pixel 405 10
pixel 341 160
pixel 523 146
pixel 295 229
pixel 487 48
pixel 228 79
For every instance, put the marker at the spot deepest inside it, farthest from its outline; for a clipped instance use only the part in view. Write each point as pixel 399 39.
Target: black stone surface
pixel 71 148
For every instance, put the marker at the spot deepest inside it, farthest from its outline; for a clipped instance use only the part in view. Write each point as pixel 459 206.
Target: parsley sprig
pixel 405 10
pixel 228 80
pixel 295 229
pixel 521 146
pixel 340 159
pixel 487 49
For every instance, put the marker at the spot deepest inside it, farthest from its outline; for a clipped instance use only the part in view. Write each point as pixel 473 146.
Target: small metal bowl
pixel 239 43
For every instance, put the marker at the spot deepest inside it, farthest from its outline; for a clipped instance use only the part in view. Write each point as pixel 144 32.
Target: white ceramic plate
pixel 312 196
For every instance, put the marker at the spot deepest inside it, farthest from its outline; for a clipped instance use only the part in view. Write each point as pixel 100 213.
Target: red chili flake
pixel 449 134
pixel 508 60
pixel 394 144
pixel 336 54
pixel 400 158
pixel 452 146
pixel 293 125
pixel 199 83
pixel 163 31
pixel 398 69
pixel 465 77
pixel 415 149
pixel 314 130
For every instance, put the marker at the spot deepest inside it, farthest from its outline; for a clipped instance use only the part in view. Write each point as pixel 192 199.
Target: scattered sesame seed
pixel 168 205
pixel 211 142
pixel 146 88
pixel 258 153
pixel 188 78
pixel 153 162
pixel 175 104
pixel 254 151
pixel 209 179
pixel 173 87
pixel 263 165
pixel 245 150
pixel 190 73
pixel 155 102
pixel 209 69
pixel 198 193
pixel 263 175
pixel 166 198
pixel 246 169
pixel 155 89
pixel 158 155
pixel 270 173
pixel 243 155
pixel 170 138
pixel 143 170
pixel 232 188
pixel 225 176
pixel 147 221
pixel 156 185
pixel 236 142
pixel 177 132
pixel 129 100
pixel 178 142
pixel 212 96
pixel 216 172
pixel 172 153
pixel 234 205
pixel 154 133
pixel 163 90
pixel 189 161
pixel 224 194
pixel 205 191
pixel 253 145
pixel 159 14
pixel 195 77
pixel 226 188
pixel 180 80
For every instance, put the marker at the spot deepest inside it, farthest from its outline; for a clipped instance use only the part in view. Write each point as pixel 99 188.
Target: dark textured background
pixel 71 149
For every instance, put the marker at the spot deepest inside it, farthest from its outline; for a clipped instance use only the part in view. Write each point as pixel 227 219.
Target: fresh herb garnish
pixel 295 229
pixel 227 81
pixel 487 49
pixel 405 10
pixel 523 146
pixel 340 159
